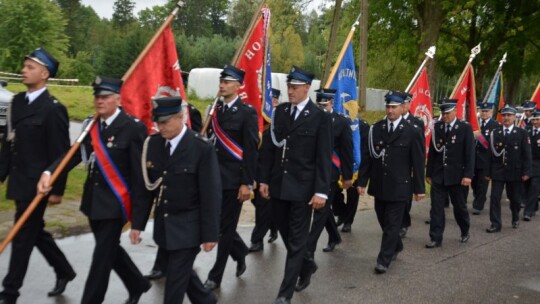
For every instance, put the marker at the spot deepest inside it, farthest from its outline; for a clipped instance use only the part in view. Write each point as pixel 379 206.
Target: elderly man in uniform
pixel 38 135
pixel 263 209
pixel 396 173
pixel 113 187
pixel 179 168
pixel 510 166
pixel 450 169
pixel 533 191
pixel 342 160
pixel 236 130
pixel 160 264
pixel 481 164
pixel 296 172
pixel 420 127
pixel 528 108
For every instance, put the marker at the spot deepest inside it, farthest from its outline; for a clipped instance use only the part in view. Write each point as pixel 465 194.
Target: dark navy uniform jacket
pixel 511 155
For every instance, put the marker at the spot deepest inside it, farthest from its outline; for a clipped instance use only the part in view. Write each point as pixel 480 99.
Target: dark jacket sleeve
pixel 324 155
pixel 363 170
pixel 469 156
pixel 526 155
pixel 250 143
pixel 196 119
pixel 346 153
pixel 209 178
pixel 58 137
pixel 418 162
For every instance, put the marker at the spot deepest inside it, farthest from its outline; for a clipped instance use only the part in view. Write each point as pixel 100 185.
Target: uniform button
pixel 185 170
pixel 165 201
pixel 288 136
pixel 165 215
pixel 287 148
pixel 445 165
pixel 164 172
pixel 96 184
pixel 164 187
pixel 285 171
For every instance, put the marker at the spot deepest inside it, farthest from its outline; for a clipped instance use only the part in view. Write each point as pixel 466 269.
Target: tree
pixel 286 44
pixel 123 13
pixel 240 14
pixel 26 25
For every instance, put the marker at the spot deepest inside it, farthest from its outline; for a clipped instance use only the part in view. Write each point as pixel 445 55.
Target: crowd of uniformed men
pixel 298 172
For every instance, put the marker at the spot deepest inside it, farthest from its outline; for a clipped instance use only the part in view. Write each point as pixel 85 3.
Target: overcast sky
pixel 104 8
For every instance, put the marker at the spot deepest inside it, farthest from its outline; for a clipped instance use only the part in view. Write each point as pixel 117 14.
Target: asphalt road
pixel 491 268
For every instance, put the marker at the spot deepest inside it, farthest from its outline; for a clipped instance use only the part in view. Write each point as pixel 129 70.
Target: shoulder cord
pixel 497 154
pixel 150 186
pixel 274 140
pixel 372 151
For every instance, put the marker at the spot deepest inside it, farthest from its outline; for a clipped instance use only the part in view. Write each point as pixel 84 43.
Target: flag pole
pixel 536 91
pixel 40 196
pixel 234 62
pixel 474 51
pixel 342 53
pixel 264 69
pixel 69 155
pixel 492 84
pixel 168 21
pixel 429 55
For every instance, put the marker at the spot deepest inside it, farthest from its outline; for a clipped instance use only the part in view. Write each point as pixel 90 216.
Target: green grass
pixel 74 189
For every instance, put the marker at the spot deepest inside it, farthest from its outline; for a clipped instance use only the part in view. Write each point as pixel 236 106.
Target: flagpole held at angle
pixel 492 84
pixel 429 55
pixel 474 51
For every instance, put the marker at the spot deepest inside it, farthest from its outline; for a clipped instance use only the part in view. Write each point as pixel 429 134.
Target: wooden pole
pixel 474 52
pixel 234 62
pixel 331 41
pixel 362 71
pixel 153 40
pixel 492 84
pixel 342 53
pixel 39 197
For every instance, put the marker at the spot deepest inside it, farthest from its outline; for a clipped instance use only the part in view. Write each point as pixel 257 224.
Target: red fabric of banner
pixel 536 96
pixel 466 96
pixel 252 62
pixel 421 104
pixel 158 70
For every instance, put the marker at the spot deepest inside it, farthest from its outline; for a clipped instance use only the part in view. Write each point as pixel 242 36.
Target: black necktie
pixel 103 125
pixel 483 124
pixel 506 131
pixel 225 108
pixel 535 132
pixel 448 128
pixel 391 128
pixel 168 150
pixel 27 100
pixel 293 114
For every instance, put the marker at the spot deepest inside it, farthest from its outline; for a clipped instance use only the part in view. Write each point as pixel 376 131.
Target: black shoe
pixel 331 246
pixel 211 285
pixel 135 297
pixel 339 221
pixel 155 274
pixel 380 269
pixel 256 247
pixel 493 229
pixel 346 228
pixel 60 285
pixel 403 232
pixel 241 267
pixel 433 244
pixel 527 218
pixel 282 300
pixel 515 224
pixel 305 279
pixel 273 237
pixel 465 238
pixel 476 212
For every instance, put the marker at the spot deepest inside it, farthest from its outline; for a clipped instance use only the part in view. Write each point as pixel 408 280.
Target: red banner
pixel 252 62
pixel 466 96
pixel 536 96
pixel 158 73
pixel 421 104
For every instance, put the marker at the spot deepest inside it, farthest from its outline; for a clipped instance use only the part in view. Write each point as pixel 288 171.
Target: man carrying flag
pixel 234 126
pixel 114 185
pixel 528 108
pixel 481 165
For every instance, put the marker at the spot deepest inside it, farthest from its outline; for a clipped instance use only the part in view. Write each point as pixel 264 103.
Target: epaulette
pixel 201 138
pixel 191 106
pixel 53 99
pixel 135 119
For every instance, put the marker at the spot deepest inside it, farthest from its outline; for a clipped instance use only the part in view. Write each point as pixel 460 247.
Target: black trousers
pixel 181 279
pixel 109 255
pixel 533 192
pixel 293 221
pixel 439 195
pixel 263 218
pixel 390 217
pixel 514 192
pixel 162 260
pixel 322 218
pixel 230 242
pixel 479 187
pixel 406 221
pixel 32 234
pixel 346 211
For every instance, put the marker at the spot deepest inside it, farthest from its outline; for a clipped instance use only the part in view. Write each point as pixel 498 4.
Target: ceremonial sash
pixel 336 161
pixel 110 172
pixel 229 144
pixel 482 140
